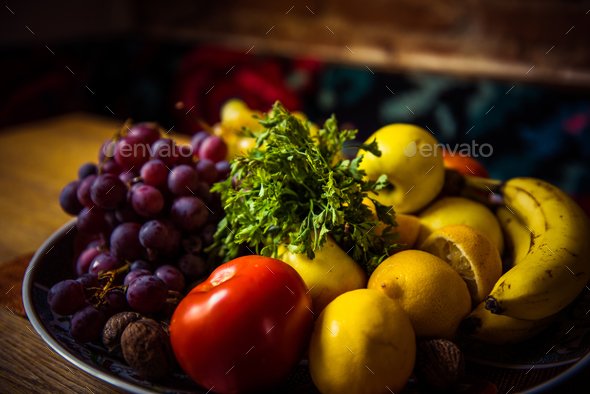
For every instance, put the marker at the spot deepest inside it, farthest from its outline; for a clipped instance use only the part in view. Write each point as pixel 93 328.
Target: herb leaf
pixel 295 188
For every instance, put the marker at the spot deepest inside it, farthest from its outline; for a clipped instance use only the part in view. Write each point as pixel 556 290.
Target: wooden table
pixel 36 161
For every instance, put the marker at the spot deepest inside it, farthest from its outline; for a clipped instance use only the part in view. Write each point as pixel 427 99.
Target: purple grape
pixel 192 244
pixel 68 198
pixel 197 140
pixel 147 294
pixel 88 280
pixel 146 132
pixel 103 262
pixel 127 214
pixel 127 177
pixel 147 201
pixel 125 242
pixel 140 264
pixel 92 221
pixel 154 173
pixel 171 276
pixel 134 274
pixel 213 148
pixel 86 324
pixel 83 192
pixel 223 170
pixel 207 171
pixel 66 297
pixel 189 213
pixel 185 155
pixel 108 191
pixel 87 169
pixel 85 259
pixel 202 191
pixel 111 167
pixel 114 302
pixel 183 180
pixel 165 150
pixel 159 235
pixel 131 154
pixel 207 233
pixel 192 266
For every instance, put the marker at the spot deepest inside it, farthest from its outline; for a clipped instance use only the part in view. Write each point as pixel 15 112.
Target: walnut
pixel 439 363
pixel 113 329
pixel 146 348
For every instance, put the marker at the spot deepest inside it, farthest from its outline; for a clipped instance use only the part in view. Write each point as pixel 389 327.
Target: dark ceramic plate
pixel 544 362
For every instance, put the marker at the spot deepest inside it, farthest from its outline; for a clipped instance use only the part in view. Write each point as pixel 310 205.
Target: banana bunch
pixel 549 236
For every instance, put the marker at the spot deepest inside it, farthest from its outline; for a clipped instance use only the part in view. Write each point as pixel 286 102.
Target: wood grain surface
pixel 28 365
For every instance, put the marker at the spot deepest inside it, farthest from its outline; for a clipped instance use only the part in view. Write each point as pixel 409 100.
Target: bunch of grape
pixel 148 208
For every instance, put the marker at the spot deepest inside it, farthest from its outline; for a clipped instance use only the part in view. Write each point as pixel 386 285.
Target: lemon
pixel 412 161
pixel 331 272
pixel 408 226
pixel 471 254
pixel 363 342
pixel 459 210
pixel 428 289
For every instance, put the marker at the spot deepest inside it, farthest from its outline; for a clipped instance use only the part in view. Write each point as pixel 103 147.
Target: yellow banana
pixel 518 238
pixel 499 329
pixel 557 266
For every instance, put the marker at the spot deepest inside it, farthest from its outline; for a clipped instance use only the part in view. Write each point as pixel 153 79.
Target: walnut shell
pixel 439 363
pixel 146 348
pixel 114 327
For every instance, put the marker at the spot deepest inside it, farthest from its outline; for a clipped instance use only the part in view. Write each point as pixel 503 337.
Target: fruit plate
pixel 542 363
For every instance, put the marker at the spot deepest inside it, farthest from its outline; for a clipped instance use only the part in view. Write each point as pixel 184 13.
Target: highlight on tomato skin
pixel 464 164
pixel 245 327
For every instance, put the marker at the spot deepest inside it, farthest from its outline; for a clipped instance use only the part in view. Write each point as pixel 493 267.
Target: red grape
pixel 189 213
pixel 147 294
pixel 146 132
pixel 68 198
pixel 154 173
pixel 147 200
pixel 86 324
pixel 108 191
pixel 171 276
pixel 183 180
pixel 213 148
pixel 125 241
pixel 66 297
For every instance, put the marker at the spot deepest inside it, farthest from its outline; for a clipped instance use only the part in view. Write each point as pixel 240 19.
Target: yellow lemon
pixel 331 272
pixel 428 289
pixel 363 342
pixel 412 161
pixel 408 226
pixel 459 210
pixel 471 254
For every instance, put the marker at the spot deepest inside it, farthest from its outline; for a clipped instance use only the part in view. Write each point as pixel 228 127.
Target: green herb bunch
pixel 294 188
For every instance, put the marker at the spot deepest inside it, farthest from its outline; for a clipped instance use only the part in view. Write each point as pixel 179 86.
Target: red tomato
pixel 464 165
pixel 245 327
